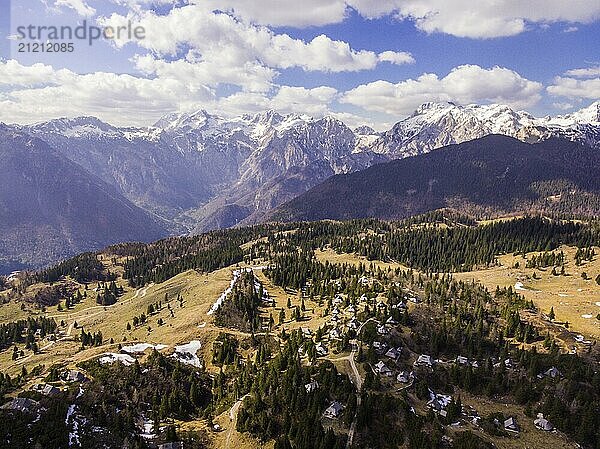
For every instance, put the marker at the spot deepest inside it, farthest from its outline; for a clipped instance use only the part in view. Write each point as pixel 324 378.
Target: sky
pixel 363 61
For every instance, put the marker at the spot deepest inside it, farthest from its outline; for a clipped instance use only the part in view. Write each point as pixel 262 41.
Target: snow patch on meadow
pixel 187 353
pixel 219 302
pixel 141 347
pixel 112 357
pixel 236 275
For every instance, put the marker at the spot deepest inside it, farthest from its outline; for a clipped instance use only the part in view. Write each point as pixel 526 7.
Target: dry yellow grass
pixel 11 311
pixel 198 291
pixel 190 322
pixel 529 437
pixel 571 296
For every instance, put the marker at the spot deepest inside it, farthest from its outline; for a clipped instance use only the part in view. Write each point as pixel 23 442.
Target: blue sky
pixel 364 61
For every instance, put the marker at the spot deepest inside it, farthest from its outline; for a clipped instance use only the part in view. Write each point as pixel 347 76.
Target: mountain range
pixel 51 208
pixel 488 177
pixel 191 172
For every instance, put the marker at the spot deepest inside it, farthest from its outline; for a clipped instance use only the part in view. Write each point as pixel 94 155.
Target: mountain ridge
pixel 487 177
pixel 51 208
pixel 187 166
pixel 198 171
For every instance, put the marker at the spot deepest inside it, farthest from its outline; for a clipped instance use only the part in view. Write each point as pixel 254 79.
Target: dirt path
pixel 233 412
pixel 357 382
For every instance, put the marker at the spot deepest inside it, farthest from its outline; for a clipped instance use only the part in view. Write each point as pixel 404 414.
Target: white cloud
pixel 43 93
pixel 314 101
pixel 395 57
pixel 570 29
pixel 282 13
pixel 14 74
pixel 39 92
pixel 483 18
pixel 139 3
pixel 250 76
pixel 575 88
pixel 463 18
pixel 587 72
pixel 464 84
pixel 354 121
pixel 79 6
pixel 563 106
pixel 220 37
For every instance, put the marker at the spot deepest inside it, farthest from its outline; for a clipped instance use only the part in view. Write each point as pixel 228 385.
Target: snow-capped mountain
pixel 186 163
pixel 291 154
pixel 580 126
pixel 198 171
pixel 434 125
pixel 201 170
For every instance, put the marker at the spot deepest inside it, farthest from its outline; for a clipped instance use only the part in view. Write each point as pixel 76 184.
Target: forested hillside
pixel 486 177
pixel 324 335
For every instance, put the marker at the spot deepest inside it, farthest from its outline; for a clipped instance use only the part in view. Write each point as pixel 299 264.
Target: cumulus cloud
pixel 493 18
pixel 575 88
pixel 354 121
pixel 464 84
pixel 14 74
pixel 249 76
pixel 563 106
pixel 145 3
pixel 587 72
pixel 395 57
pixel 46 93
pixel 463 18
pixel 305 101
pixel 79 6
pixel 282 13
pixel 219 36
pixel 43 93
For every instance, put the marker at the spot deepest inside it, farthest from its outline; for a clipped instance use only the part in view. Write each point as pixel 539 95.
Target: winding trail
pixel 357 382
pixel 233 412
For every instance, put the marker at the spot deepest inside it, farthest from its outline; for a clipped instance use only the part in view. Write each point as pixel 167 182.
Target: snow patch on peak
pixel 434 125
pixel 193 120
pixel 588 115
pixel 75 127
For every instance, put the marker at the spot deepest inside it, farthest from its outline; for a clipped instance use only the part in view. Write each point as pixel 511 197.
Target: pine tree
pixel 281 316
